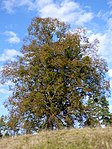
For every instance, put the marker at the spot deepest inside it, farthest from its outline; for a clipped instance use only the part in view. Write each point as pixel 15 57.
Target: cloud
pixel 12 37
pixel 103 15
pixel 110 108
pixel 110 73
pixel 5 91
pixel 105 45
pixel 66 10
pixel 105 36
pixel 9 54
pixel 4 110
pixel 10 5
pixel 86 17
pixel 110 3
pixel 8 83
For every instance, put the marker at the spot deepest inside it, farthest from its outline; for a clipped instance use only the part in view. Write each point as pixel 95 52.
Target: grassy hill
pixel 98 138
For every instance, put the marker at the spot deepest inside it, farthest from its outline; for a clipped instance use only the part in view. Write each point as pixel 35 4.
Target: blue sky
pixel 16 15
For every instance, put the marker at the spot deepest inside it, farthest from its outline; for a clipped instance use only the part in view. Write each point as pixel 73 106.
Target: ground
pixel 86 138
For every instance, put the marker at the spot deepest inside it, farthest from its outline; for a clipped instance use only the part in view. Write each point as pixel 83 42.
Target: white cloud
pixel 110 73
pixel 9 54
pixel 8 83
pixel 86 17
pixel 4 110
pixel 42 3
pixel 110 2
pixel 66 10
pixel 110 107
pixel 5 91
pixel 103 15
pixel 110 76
pixel 9 5
pixel 12 37
pixel 105 45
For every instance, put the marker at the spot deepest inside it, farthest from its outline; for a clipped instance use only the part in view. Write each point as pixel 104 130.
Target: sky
pixel 16 15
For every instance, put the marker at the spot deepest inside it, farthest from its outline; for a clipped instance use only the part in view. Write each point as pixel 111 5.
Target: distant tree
pixel 97 113
pixel 4 131
pixel 59 80
pixel 3 123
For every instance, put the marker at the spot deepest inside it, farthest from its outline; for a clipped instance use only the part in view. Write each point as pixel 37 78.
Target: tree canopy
pixel 58 81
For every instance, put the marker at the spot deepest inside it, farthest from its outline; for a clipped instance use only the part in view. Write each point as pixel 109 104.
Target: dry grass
pixel 62 139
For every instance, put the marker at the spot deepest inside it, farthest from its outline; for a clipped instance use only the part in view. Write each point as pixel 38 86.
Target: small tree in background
pixel 2 124
pixel 4 129
pixel 97 113
pixel 57 78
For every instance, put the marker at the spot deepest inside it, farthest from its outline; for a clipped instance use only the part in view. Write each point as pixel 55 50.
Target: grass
pixel 97 138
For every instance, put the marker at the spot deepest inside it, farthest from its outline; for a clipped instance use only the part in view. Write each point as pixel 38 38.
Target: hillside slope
pixel 99 138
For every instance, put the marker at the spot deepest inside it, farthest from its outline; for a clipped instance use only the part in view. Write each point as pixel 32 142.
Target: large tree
pixel 58 78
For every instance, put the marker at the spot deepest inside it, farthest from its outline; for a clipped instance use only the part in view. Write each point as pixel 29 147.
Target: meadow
pixel 86 138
